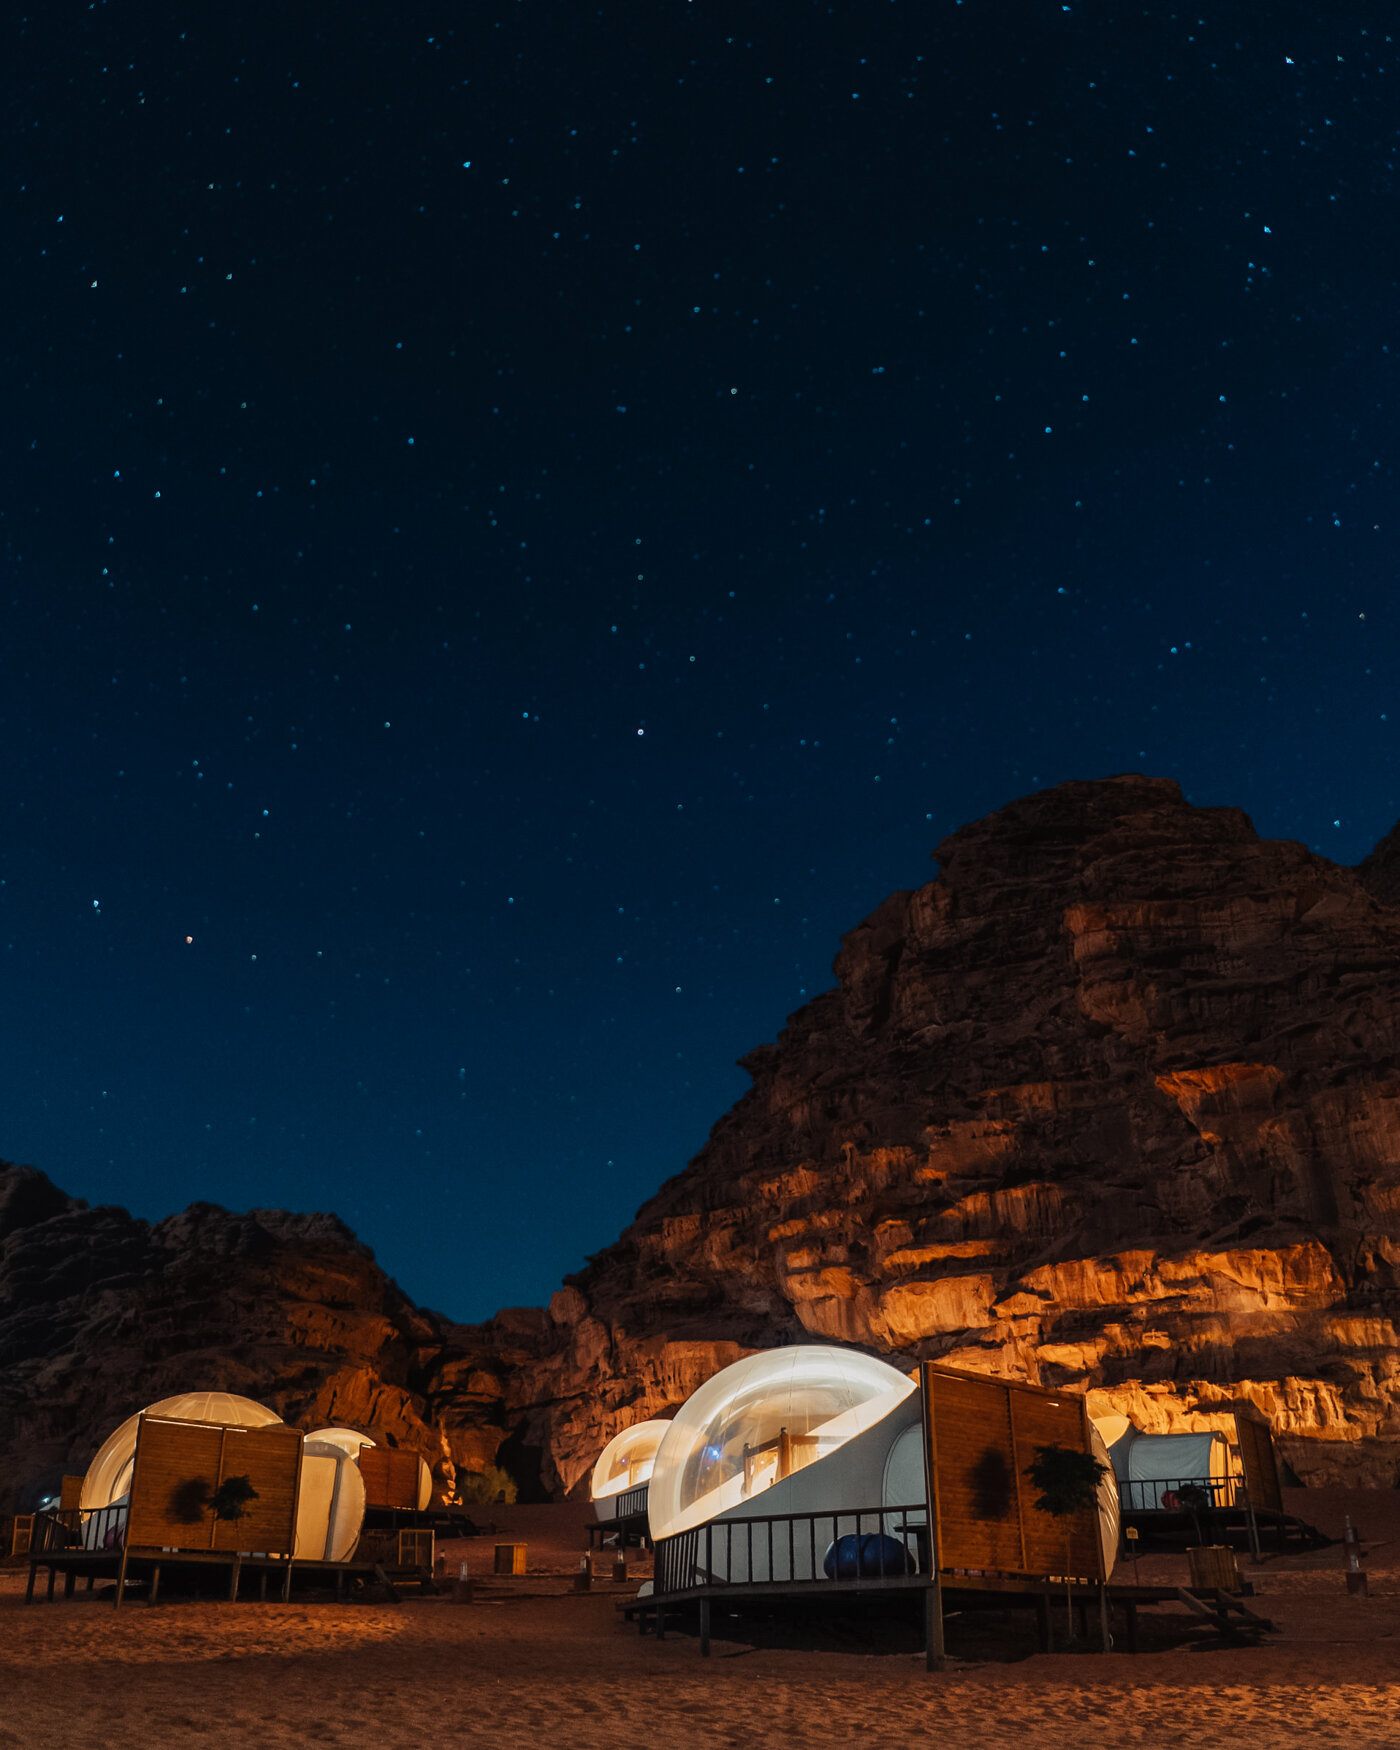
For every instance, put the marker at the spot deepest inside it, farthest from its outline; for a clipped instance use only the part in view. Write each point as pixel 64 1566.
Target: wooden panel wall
pixel 271 1459
pixel 176 1470
pixel 1261 1478
pixel 981 1434
pixel 180 1464
pixel 391 1478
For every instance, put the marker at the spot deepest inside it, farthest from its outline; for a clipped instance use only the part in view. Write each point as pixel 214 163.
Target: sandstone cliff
pixel 1113 1102
pixel 100 1314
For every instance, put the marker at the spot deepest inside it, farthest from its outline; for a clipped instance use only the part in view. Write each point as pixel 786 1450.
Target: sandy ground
pixel 534 1665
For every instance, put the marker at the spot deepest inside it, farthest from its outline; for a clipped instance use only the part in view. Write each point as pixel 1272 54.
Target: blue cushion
pixel 868 1556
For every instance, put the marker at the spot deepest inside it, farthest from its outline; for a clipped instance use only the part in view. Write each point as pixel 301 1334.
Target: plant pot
pixel 1213 1568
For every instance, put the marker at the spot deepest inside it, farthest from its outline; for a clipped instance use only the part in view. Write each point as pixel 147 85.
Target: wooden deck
pixel 125 1566
pixel 1229 1615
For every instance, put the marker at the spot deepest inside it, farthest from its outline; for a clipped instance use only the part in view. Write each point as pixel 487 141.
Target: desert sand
pixel 529 1663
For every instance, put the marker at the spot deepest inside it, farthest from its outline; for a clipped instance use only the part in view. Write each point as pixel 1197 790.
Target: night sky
pixel 522 522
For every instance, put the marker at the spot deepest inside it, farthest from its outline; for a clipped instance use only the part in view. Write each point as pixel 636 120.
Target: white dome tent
pixel 795 1463
pixel 108 1479
pixel 624 1466
pixel 349 1440
pixel 784 1431
pixel 330 1505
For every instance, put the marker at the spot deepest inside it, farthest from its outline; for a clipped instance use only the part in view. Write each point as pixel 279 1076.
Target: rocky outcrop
pixel 100 1314
pixel 1112 1103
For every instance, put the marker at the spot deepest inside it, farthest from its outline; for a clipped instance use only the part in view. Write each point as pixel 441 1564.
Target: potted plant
pixel 1068 1481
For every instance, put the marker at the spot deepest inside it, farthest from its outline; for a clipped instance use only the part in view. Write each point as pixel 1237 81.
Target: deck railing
pixel 783 1548
pixel 95 1531
pixel 631 1503
pixel 1162 1495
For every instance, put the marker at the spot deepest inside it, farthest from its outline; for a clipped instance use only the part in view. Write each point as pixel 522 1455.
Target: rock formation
pixel 100 1314
pixel 1112 1103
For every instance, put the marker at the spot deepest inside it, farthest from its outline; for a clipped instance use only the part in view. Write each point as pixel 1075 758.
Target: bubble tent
pixel 108 1479
pixel 625 1463
pixel 758 1422
pixel 331 1497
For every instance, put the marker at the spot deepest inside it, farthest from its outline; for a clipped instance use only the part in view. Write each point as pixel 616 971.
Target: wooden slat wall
pixel 978 1518
pixel 271 1460
pixel 391 1478
pixel 983 1433
pixel 180 1464
pixel 177 1469
pixel 1256 1443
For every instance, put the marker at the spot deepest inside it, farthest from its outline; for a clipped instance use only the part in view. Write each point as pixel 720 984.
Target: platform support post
pixel 1105 1635
pixel 287 1582
pixel 704 1628
pixel 234 1573
pixel 660 1622
pixel 121 1578
pixel 934 1653
pixel 70 1580
pixel 1045 1632
pixel 1130 1611
pixel 29 1589
pixel 154 1593
pixel 53 1575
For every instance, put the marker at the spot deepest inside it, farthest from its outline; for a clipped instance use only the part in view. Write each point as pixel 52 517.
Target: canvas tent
pixel 1151 1468
pixel 624 1468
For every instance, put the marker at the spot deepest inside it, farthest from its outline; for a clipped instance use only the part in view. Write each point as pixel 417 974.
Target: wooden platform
pixel 124 1566
pixel 1229 1615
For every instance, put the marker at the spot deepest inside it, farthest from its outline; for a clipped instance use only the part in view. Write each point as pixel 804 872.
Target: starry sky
pixel 522 522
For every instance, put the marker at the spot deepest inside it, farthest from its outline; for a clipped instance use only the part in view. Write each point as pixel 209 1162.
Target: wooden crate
pixel 1212 1567
pixel 416 1549
pixel 510 1558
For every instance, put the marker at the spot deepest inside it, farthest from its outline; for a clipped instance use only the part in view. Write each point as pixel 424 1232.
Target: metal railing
pixel 865 1546
pixel 632 1503
pixel 1162 1494
pixel 95 1531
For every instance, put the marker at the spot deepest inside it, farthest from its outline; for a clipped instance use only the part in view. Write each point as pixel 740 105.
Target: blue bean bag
pixel 866 1557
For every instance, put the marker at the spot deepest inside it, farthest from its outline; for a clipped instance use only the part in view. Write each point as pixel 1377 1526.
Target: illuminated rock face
pixel 100 1314
pixel 1114 1102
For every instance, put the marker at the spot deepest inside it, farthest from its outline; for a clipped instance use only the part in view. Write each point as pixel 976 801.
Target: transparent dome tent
pixel 108 1479
pixel 761 1422
pixel 330 1499
pixel 625 1464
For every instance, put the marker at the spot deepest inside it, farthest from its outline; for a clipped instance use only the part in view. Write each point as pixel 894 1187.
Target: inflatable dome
pixel 626 1463
pixel 347 1439
pixel 760 1420
pixel 330 1502
pixel 108 1478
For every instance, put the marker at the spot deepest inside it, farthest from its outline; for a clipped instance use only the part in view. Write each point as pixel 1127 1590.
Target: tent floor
pixel 123 1567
